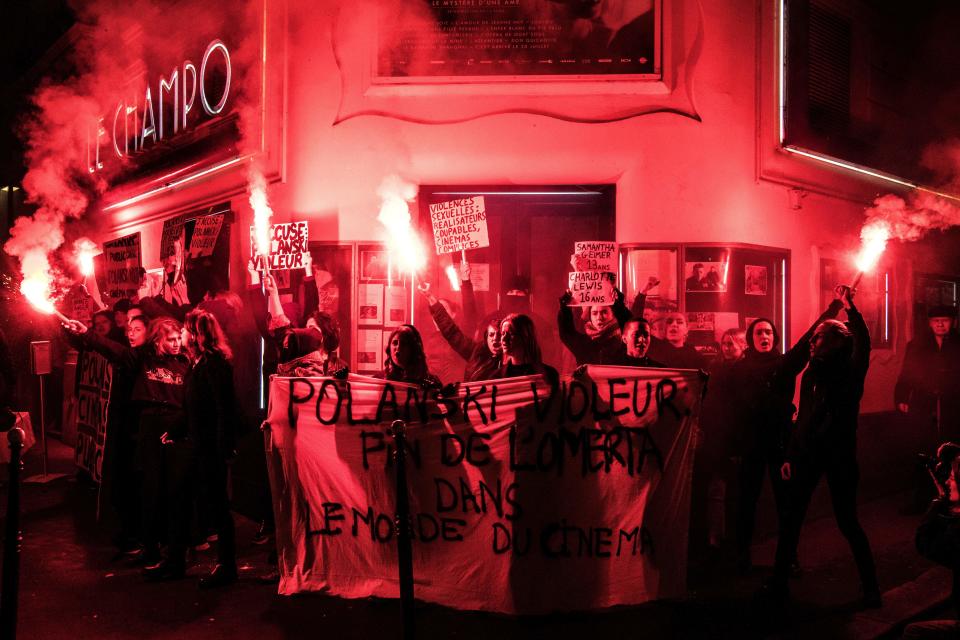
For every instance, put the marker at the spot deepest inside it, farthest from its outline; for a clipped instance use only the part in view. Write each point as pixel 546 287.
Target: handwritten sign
pixel 94 379
pixel 123 260
pixel 288 247
pixel 590 288
pixel 508 482
pixel 205 233
pixel 594 255
pixel 459 225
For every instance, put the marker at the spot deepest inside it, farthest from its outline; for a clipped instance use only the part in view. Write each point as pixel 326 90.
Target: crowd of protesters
pixel 173 405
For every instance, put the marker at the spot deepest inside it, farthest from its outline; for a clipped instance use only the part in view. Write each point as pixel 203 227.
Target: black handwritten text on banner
pixel 508 483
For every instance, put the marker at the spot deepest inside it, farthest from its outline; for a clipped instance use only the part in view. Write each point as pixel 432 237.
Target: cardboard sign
pixel 122 258
pixel 590 288
pixel 94 379
pixel 506 486
pixel 594 255
pixel 288 247
pixel 459 225
pixel 205 234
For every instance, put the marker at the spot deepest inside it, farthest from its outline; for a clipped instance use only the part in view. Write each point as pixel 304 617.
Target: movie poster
pixel 503 38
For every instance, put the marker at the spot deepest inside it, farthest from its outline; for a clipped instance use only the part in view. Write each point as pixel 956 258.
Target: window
pixel 717 287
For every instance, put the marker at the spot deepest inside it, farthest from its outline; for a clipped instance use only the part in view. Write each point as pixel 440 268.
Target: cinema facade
pixel 675 148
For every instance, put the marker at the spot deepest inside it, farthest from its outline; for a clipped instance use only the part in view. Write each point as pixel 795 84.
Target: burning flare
pixel 85 250
pixel 405 246
pixel 873 241
pixel 454 277
pixel 262 213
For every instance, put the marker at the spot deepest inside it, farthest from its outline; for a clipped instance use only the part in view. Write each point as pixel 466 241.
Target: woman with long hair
pixel 406 360
pixel 482 351
pixel 211 403
pixel 521 351
pixel 159 371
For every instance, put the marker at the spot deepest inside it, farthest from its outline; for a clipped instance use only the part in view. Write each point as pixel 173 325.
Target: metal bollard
pixel 10 580
pixel 404 544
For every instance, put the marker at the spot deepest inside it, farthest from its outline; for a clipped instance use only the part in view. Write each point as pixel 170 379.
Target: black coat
pixel 830 393
pixel 211 405
pixel 930 371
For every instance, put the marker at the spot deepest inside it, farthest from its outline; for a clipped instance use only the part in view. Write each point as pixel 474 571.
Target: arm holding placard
pixel 580 345
pixel 452 333
pixel 471 315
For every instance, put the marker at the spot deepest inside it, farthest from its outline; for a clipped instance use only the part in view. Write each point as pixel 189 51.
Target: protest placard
pixel 590 288
pixel 288 247
pixel 205 233
pixel 594 255
pixel 94 379
pixel 459 225
pixel 509 482
pixel 122 259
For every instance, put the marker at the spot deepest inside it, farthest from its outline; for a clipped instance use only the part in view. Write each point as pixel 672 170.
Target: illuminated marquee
pixel 178 92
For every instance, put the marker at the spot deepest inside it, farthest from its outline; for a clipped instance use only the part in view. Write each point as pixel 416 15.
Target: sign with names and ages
pixel 594 255
pixel 509 482
pixel 459 225
pixel 205 233
pixel 590 288
pixel 122 257
pixel 94 379
pixel 288 247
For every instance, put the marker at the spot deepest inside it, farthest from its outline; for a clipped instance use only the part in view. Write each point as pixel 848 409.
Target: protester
pixel 482 352
pixel 602 343
pixel 825 442
pixel 311 351
pixel 105 328
pixel 120 310
pixel 521 351
pixel 928 392
pixel 158 395
pixel 636 343
pixel 674 351
pixel 406 360
pixel 759 414
pixel 714 468
pixel 211 422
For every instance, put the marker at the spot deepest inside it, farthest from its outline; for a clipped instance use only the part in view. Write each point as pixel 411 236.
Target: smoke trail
pixel 404 244
pixel 910 220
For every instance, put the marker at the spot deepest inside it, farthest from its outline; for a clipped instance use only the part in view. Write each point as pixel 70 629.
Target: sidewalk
pixel 73 586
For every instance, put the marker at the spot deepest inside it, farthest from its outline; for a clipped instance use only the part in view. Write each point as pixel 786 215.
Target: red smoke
pixel 121 45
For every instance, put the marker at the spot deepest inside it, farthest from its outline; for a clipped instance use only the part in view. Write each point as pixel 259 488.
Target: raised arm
pixel 798 355
pixel 620 311
pixel 119 354
pixel 861 336
pixel 580 345
pixel 452 333
pixel 471 315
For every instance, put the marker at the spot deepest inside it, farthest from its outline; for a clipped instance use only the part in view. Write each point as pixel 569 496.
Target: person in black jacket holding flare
pixel 824 442
pixel 158 393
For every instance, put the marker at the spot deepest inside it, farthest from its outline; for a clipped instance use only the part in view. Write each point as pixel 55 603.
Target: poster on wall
pixel 708 277
pixel 374 265
pixel 459 225
pixel 480 276
pixel 369 350
pixel 122 263
pixel 370 302
pixel 395 306
pixel 754 280
pixel 516 39
pixel 659 264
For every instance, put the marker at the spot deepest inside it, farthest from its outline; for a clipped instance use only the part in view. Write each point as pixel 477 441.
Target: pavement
pixel 74 585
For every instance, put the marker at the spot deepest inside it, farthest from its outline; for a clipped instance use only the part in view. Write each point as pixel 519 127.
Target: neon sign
pixel 133 128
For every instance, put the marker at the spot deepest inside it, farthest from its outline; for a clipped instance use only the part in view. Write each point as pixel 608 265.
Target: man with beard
pixel 825 443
